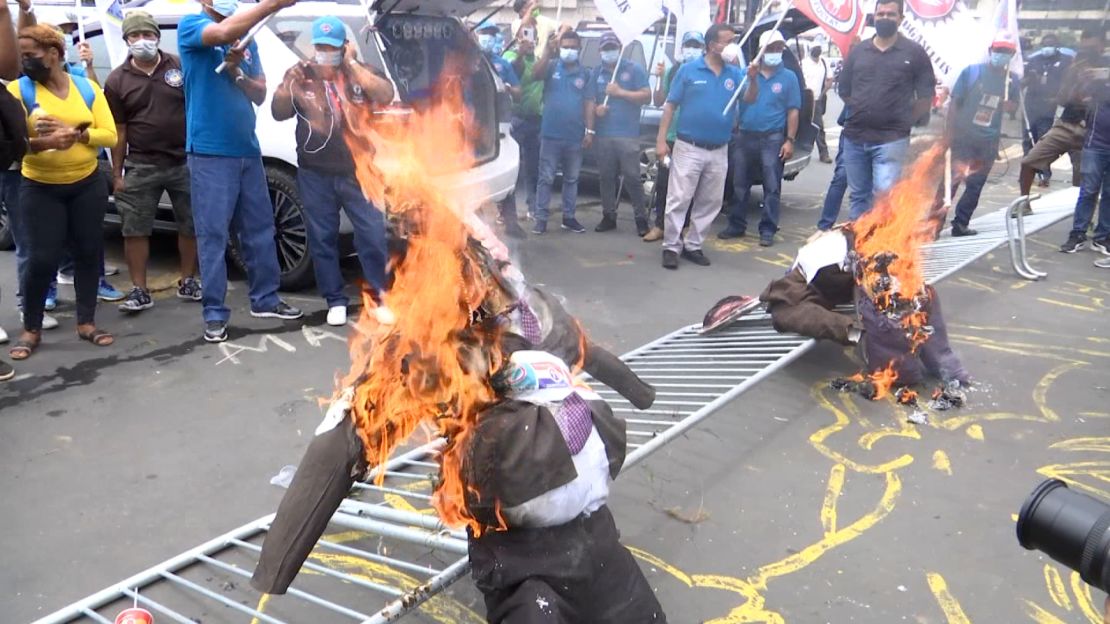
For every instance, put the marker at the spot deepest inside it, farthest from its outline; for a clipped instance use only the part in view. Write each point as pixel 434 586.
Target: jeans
pixel 323 194
pixel 978 157
pixel 834 197
pixel 10 181
pixel 872 168
pixel 526 132
pixel 619 157
pixel 231 192
pixel 63 213
pixel 553 153
pixel 1094 185
pixel 751 150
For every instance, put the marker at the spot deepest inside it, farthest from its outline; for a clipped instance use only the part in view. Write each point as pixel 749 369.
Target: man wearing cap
pixel 147 97
pixel 699 163
pixel 492 45
pixel 620 91
pixel 322 93
pixel 225 163
pixel 768 127
pixel 974 127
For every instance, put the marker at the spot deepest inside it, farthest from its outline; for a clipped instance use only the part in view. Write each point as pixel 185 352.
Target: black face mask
pixel 35 69
pixel 886 28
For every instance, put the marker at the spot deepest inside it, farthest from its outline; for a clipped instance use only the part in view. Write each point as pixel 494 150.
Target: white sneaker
pixel 337 316
pixel 62 278
pixel 3 336
pixel 48 322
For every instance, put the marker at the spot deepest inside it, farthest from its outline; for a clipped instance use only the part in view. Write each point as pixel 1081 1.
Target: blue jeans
pixel 1094 183
pixel 231 192
pixel 322 195
pixel 872 168
pixel 553 153
pixel 10 181
pixel 751 150
pixel 834 197
pixel 526 133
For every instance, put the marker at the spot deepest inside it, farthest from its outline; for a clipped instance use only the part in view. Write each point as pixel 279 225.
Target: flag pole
pixel 947 179
pixel 758 57
pixel 80 25
pixel 246 40
pixel 559 13
pixel 616 68
pixel 651 63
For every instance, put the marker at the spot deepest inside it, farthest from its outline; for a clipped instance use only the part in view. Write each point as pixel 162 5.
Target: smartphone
pixel 528 34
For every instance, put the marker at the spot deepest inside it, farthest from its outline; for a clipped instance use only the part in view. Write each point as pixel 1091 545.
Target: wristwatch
pixel 791 139
pixel 590 131
pixel 240 77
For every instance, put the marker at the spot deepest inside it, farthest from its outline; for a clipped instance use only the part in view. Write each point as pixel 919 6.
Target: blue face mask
pixel 1001 59
pixel 772 59
pixel 225 7
pixel 610 57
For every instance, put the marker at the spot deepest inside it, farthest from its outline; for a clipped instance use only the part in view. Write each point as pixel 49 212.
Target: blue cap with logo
pixel 329 30
pixel 693 37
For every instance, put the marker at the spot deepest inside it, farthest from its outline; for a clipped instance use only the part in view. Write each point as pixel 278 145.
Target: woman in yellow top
pixel 64 196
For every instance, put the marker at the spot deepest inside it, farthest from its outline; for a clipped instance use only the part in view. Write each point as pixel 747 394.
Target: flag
pixel 841 19
pixel 628 18
pixel 110 15
pixel 946 29
pixel 1005 28
pixel 690 16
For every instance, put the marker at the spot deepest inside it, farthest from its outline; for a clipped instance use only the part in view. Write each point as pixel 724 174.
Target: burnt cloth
pixel 884 342
pixel 575 573
pixel 806 309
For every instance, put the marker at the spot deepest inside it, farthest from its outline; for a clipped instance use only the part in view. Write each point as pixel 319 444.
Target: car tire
pixel 7 239
pixel 290 233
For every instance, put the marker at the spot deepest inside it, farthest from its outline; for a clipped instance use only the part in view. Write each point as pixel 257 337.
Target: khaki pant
pixel 1062 138
pixel 696 174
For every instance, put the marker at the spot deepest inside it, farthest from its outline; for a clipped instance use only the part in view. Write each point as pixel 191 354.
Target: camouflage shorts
pixel 144 186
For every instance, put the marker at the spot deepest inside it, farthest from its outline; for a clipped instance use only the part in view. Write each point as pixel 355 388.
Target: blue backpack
pixel 27 91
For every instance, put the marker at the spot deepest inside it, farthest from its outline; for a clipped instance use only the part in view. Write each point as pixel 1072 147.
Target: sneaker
pixel 110 270
pixel 539 228
pixel 137 300
pixel 3 336
pixel 696 256
pixel 1103 263
pixel 189 289
pixel 670 259
pixel 766 240
pixel 48 322
pixel 653 235
pixel 1101 245
pixel 107 292
pixel 1074 243
pixel 337 316
pixel 963 230
pixel 606 225
pixel 51 300
pixel 6 371
pixel 282 311
pixel 215 331
pixel 728 233
pixel 63 278
pixel 573 225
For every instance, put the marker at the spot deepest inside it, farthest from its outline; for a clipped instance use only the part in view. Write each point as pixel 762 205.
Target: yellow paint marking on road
pixel 1039 615
pixel 1073 306
pixel 970 283
pixel 1083 598
pixel 1073 472
pixel 1056 588
pixel 869 439
pixel 1097 444
pixel 953 612
pixel 261 607
pixel 832 496
pixel 782 261
pixel 397 501
pixel 593 264
pixel 734 247
pixel 941 462
pixel 654 561
pixel 1013 517
pixel 842 422
pixel 1095 414
pixel 1020 285
pixel 975 432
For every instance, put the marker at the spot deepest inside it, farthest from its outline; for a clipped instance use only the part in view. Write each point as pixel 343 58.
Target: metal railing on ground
pixel 387 555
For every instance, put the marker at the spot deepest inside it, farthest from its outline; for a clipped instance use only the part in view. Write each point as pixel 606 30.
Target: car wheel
pixel 290 232
pixel 7 239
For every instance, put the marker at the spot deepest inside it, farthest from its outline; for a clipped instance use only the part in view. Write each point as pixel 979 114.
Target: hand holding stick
pixel 245 41
pixel 755 61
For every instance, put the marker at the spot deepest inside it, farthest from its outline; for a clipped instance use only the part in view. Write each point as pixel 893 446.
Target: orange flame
pixel 884 380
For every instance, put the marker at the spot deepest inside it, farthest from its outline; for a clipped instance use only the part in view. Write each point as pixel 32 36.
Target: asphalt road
pixel 793 504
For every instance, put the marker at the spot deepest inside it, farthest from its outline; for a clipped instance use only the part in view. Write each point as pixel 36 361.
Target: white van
pixel 409 45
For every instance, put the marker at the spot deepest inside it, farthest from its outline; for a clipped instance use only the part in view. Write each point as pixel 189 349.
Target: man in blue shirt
pixel 702 88
pixel 765 139
pixel 225 163
pixel 620 90
pixel 567 127
pixel 975 126
pixel 492 45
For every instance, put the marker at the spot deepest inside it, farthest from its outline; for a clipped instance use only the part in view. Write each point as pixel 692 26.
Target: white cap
pixel 769 37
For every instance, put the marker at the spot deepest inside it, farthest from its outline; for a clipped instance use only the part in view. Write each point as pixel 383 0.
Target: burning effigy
pixel 471 354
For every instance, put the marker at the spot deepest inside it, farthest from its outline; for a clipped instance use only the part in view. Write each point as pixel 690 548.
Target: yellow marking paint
pixel 908 430
pixel 1056 588
pixel 1020 285
pixel 1039 615
pixel 734 247
pixel 970 283
pixel 1083 598
pixel 1094 444
pixel 656 562
pixel 941 462
pixel 817 440
pixel 1040 392
pixel 975 432
pixel 832 496
pixel 261 607
pixel 1073 306
pixel 397 501
pixel 1013 517
pixel 779 262
pixel 594 264
pixel 1095 414
pixel 953 612
pixel 1074 472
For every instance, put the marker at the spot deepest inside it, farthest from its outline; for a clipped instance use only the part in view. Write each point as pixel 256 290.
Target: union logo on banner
pixel 841 19
pixel 931 9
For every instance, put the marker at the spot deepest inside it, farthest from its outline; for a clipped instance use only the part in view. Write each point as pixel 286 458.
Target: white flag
pixel 691 16
pixel 110 15
pixel 1005 28
pixel 629 18
pixel 946 29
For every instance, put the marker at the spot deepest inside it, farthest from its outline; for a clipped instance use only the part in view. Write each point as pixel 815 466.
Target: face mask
pixel 691 54
pixel 329 59
pixel 772 59
pixel 568 55
pixel 35 69
pixel 144 49
pixel 886 28
pixel 610 57
pixel 1001 59
pixel 490 43
pixel 70 49
pixel 1050 50
pixel 225 7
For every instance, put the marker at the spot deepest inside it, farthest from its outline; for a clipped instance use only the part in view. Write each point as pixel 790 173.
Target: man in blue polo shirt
pixel 699 163
pixel 225 163
pixel 620 90
pixel 765 139
pixel 567 127
pixel 492 45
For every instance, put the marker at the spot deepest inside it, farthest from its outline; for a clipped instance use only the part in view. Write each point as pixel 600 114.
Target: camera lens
pixel 1071 528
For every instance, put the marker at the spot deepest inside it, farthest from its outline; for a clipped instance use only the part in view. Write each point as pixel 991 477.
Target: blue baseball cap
pixel 693 36
pixel 609 38
pixel 487 25
pixel 329 30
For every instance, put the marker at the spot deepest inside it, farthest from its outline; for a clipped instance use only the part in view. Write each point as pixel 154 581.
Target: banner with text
pixel 629 18
pixel 948 31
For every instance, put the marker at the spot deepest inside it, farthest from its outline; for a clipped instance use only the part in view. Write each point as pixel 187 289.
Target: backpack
pixel 27 91
pixel 13 130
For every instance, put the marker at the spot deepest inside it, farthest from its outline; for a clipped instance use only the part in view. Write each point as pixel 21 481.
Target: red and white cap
pixel 1004 41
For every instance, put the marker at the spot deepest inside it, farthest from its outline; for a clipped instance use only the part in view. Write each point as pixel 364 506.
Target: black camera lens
pixel 1071 528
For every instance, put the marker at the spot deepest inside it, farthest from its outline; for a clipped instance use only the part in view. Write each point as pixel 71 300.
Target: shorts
pixel 1062 138
pixel 143 188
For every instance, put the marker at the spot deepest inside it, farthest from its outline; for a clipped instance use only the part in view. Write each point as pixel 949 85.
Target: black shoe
pixel 963 230
pixel 513 230
pixel 6 371
pixel 1074 243
pixel 1101 245
pixel 695 256
pixel 728 233
pixel 606 225
pixel 137 300
pixel 766 240
pixel 215 331
pixel 282 311
pixel 539 228
pixel 573 225
pixel 670 259
pixel 642 228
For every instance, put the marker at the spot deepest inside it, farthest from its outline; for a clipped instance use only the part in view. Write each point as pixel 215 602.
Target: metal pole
pixel 616 68
pixel 246 40
pixel 403 605
pixel 413 536
pixel 740 88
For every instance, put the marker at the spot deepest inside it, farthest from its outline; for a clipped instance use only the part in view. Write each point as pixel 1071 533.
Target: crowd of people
pixel 719 119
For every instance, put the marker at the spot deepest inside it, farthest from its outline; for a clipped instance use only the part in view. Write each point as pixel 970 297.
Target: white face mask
pixel 225 7
pixel 329 59
pixel 691 54
pixel 610 57
pixel 568 55
pixel 144 49
pixel 772 59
